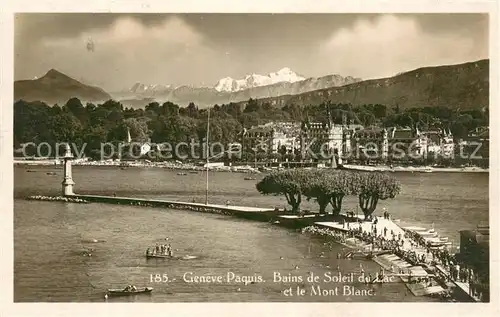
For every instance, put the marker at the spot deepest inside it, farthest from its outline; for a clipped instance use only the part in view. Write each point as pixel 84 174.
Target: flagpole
pixel 207 153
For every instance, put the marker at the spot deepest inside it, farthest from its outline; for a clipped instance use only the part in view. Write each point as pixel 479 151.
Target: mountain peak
pixel 139 87
pixel 284 70
pixel 53 73
pixel 229 84
pixel 56 87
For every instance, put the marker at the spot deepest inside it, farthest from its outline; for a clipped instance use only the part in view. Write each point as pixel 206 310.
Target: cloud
pixel 390 44
pixel 132 51
pixel 172 31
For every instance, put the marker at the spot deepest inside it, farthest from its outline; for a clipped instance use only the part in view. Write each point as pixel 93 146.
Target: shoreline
pixel 127 165
pixel 417 169
pixel 244 168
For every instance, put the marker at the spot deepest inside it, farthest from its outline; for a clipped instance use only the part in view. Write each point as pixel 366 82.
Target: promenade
pixel 396 264
pixel 367 226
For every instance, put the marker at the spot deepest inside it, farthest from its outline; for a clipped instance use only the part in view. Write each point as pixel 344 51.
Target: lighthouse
pixel 67 183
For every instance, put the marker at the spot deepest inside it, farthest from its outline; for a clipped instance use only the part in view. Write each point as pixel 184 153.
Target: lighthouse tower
pixel 67 183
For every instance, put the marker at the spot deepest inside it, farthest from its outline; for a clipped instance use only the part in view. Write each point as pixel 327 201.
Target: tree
pixel 252 106
pixel 65 127
pixel 372 187
pixel 317 186
pixel 138 128
pixel 328 188
pixel 288 183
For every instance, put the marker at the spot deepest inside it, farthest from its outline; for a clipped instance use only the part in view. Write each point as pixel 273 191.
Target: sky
pixel 200 49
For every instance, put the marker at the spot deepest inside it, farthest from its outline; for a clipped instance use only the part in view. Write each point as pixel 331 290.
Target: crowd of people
pixel 410 247
pixel 160 249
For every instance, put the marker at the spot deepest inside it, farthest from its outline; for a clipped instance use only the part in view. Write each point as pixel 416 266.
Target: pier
pixel 253 213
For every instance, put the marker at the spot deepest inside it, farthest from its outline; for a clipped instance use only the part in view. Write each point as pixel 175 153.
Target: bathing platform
pixel 417 289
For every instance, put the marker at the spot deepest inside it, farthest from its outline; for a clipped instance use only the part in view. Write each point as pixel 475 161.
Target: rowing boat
pixel 123 292
pixel 160 256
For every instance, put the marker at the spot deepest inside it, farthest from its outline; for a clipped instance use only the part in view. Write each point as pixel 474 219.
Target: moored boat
pixel 427 233
pixel 128 291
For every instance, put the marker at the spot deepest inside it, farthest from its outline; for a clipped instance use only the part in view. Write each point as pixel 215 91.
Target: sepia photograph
pixel 251 157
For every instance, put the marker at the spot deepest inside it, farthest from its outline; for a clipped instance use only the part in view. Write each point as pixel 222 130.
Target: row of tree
pixel 108 122
pixel 330 187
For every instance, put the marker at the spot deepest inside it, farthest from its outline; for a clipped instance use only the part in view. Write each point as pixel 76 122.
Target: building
pixel 321 141
pixel 405 144
pixel 475 148
pixel 474 247
pixel 271 138
pixel 130 150
pixel 370 144
pixel 440 143
pixel 378 145
pixel 347 138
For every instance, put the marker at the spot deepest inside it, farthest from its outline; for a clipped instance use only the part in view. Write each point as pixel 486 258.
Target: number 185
pixel 158 278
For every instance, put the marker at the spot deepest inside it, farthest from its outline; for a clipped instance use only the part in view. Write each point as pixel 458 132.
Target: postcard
pixel 271 157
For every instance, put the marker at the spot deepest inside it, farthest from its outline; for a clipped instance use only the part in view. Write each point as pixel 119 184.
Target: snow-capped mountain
pixel 141 88
pixel 282 82
pixel 229 84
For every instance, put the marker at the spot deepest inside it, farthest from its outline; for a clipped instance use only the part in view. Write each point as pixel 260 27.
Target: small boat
pixel 438 243
pixel 427 233
pixel 181 174
pixel 249 178
pixel 123 292
pixel 51 173
pixel 159 256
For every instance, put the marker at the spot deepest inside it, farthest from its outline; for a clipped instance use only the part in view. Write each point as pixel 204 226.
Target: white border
pixel 8 308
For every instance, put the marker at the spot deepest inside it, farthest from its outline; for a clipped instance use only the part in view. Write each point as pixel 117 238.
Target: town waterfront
pixel 50 237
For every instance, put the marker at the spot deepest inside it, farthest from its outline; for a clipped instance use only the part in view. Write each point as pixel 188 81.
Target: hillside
pixel 462 86
pixel 55 87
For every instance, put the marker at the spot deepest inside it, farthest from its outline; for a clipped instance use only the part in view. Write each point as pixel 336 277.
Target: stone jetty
pixel 253 213
pixel 59 198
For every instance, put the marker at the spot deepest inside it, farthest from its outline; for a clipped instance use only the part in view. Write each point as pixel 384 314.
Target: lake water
pixel 49 238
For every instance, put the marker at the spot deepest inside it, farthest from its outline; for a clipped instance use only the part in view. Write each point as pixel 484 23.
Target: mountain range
pixel 464 86
pixel 227 90
pixel 229 84
pixel 56 87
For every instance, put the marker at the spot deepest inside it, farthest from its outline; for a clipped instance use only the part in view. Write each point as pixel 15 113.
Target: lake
pixel 49 237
